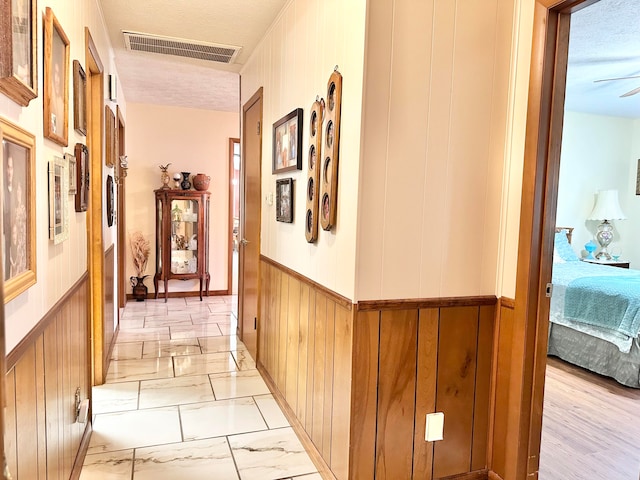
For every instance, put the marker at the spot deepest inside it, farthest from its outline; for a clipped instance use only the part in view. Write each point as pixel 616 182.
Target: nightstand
pixel 611 263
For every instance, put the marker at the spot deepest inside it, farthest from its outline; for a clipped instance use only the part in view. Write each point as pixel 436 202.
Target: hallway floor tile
pixel 183 400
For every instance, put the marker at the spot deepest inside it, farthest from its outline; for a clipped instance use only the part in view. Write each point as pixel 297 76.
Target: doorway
pixel 250 214
pixel 234 214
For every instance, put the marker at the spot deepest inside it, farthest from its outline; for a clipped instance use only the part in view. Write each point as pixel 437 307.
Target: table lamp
pixel 607 208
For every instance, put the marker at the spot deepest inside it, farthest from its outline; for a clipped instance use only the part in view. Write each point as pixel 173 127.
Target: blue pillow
pixel 563 249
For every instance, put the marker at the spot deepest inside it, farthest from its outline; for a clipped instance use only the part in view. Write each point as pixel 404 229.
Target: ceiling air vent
pixel 213 52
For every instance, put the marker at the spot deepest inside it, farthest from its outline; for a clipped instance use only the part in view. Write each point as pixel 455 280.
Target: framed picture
pixel 111 203
pixel 18 57
pixel 58 206
pixel 287 142
pixel 284 200
pixel 56 80
pixel 110 136
pixel 71 168
pixel 82 177
pixel 79 98
pixel 18 209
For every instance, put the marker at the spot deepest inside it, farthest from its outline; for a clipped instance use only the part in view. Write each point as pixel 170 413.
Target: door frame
pixel 232 142
pixel 545 113
pixel 248 104
pixel 121 175
pixel 95 241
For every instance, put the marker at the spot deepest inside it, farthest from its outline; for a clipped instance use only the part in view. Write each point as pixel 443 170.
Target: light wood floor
pixel 591 426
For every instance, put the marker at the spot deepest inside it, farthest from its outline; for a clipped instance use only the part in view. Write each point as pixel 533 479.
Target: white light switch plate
pixel 434 429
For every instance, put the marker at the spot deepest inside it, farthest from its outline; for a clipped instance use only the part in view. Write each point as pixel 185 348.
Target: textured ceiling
pixel 171 80
pixel 604 43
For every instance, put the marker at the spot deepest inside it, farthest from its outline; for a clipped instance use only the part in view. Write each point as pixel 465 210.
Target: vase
pixel 201 182
pixel 139 288
pixel 185 184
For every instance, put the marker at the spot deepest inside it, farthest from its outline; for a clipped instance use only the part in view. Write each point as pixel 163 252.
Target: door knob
pixel 244 241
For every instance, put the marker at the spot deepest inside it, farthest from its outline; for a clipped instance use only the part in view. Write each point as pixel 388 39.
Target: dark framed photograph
pixel 79 98
pixel 284 200
pixel 58 205
pixel 110 136
pixel 18 208
pixel 82 177
pixel 287 142
pixel 111 202
pixel 71 168
pixel 56 80
pixel 18 57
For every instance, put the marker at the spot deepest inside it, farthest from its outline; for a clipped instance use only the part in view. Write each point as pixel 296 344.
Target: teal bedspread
pixel 611 302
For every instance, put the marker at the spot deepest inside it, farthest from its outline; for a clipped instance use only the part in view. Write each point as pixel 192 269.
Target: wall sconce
pixel 124 166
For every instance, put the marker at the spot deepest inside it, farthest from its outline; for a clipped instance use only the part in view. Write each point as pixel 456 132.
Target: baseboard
pixel 477 475
pixel 82 452
pixel 152 295
pixel 323 469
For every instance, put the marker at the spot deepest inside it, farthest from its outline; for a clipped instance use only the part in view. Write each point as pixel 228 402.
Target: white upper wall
pixel 293 64
pixel 60 266
pixel 192 140
pixel 599 153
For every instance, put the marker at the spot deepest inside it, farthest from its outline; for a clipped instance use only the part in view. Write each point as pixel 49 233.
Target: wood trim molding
pixel 493 476
pixel 507 302
pixel 336 297
pixel 368 305
pixel 476 475
pixel 323 469
pixel 19 350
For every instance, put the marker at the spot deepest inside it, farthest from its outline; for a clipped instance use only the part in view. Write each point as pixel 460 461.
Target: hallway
pixel 183 399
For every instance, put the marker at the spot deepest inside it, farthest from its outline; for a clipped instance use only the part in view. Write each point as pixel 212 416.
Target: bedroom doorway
pixel 545 132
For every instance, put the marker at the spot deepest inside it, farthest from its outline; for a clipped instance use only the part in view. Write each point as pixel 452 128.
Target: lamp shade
pixel 607 207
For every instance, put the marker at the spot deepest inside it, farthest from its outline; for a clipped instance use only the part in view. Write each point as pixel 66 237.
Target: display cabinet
pixel 182 238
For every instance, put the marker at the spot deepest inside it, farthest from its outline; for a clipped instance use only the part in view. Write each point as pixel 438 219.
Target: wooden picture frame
pixel 18 50
pixel 18 208
pixel 330 152
pixel 82 177
pixel 58 205
pixel 314 162
pixel 287 142
pixel 110 136
pixel 56 80
pixel 111 203
pixel 79 98
pixel 284 200
pixel 71 168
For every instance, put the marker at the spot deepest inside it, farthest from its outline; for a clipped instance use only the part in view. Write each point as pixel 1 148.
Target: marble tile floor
pixel 183 400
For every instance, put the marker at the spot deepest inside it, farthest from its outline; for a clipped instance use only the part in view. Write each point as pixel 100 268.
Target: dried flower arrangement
pixel 140 248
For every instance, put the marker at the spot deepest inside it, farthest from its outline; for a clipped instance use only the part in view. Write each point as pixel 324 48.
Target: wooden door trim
pixel 254 98
pixel 537 220
pixel 95 247
pixel 120 215
pixel 232 142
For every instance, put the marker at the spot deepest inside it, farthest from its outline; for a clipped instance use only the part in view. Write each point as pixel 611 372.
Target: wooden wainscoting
pixel 42 438
pixel 356 381
pixel 304 346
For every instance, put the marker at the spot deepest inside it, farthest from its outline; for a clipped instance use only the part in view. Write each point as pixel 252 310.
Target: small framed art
pixel 71 168
pixel 18 208
pixel 284 200
pixel 18 59
pixel 79 98
pixel 82 177
pixel 287 142
pixel 56 80
pixel 58 205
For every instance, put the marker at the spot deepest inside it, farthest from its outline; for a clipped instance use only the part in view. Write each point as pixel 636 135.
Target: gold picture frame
pixel 56 80
pixel 18 50
pixel 110 136
pixel 18 208
pixel 79 98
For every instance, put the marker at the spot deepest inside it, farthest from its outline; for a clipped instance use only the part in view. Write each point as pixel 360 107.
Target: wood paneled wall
pixel 42 438
pixel 359 379
pixel 304 346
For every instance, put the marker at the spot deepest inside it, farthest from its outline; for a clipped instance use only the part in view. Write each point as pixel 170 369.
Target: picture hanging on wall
pixel 313 170
pixel 18 209
pixel 18 59
pixel 82 177
pixel 287 142
pixel 284 200
pixel 58 204
pixel 79 98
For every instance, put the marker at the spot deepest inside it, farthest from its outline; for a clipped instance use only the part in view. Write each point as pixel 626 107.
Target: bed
pixel 594 319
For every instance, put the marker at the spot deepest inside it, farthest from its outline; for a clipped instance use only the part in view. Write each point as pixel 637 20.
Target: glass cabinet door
pixel 184 236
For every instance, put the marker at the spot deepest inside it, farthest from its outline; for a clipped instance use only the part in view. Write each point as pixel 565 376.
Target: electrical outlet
pixel 434 428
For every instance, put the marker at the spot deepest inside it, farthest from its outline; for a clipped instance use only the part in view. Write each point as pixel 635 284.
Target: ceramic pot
pixel 185 184
pixel 139 288
pixel 201 181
